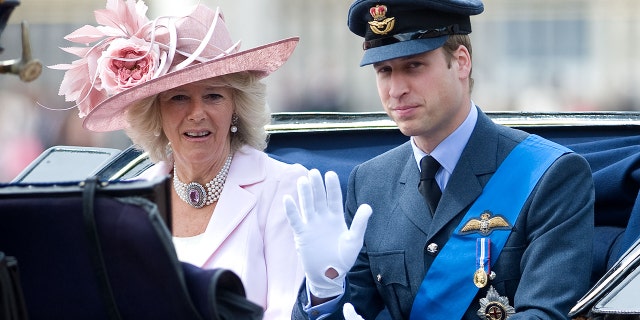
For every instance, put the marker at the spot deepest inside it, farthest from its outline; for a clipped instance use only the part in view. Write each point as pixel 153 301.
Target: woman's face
pixel 196 118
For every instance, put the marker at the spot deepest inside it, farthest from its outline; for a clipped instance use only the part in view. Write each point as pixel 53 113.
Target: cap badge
pixel 381 24
pixel 486 224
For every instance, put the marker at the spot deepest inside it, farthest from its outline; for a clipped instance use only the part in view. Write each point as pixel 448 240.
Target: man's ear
pixel 462 57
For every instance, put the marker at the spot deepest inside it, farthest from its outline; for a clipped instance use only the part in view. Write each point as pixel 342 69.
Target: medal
pixel 480 277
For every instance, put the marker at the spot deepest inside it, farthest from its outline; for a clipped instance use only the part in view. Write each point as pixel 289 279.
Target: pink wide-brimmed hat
pixel 135 58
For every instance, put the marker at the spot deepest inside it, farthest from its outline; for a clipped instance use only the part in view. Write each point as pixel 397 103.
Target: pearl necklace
pixel 194 193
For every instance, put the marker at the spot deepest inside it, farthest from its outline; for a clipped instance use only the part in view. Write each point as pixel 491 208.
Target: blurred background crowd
pixel 529 55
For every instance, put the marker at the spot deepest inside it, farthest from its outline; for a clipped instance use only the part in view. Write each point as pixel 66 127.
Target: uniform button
pixel 379 278
pixel 432 248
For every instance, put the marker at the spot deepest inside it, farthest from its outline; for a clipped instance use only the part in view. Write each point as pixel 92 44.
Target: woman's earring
pixel 234 122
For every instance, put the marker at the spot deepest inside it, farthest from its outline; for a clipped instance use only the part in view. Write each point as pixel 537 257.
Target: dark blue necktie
pixel 428 186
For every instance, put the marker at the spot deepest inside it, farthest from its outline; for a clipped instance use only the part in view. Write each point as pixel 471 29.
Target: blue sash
pixel 448 289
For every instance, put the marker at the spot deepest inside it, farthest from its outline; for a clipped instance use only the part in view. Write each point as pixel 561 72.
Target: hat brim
pixel 401 49
pixel 109 115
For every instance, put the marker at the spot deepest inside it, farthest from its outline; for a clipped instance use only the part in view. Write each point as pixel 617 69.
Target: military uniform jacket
pixel 544 267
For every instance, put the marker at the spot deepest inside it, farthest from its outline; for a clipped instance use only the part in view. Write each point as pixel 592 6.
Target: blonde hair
pixel 249 96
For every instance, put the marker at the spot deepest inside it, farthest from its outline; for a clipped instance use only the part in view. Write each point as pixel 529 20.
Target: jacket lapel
pixel 411 201
pixel 247 168
pixel 479 158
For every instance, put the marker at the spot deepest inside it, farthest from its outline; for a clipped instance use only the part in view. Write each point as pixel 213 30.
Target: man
pixel 506 231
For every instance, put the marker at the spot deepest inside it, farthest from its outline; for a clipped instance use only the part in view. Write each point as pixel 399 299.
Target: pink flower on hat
pixel 110 66
pixel 127 63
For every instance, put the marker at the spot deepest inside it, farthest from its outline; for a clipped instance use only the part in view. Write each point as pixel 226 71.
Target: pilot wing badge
pixel 485 224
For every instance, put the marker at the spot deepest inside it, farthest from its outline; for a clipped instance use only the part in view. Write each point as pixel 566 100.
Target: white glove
pixel 350 313
pixel 323 242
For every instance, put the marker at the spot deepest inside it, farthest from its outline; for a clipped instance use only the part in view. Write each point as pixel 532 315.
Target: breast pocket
pixel 507 270
pixel 389 272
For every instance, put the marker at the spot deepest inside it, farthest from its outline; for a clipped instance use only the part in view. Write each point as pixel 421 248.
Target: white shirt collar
pixel 449 150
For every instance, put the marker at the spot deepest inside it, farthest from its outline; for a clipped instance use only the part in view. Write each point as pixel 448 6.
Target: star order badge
pixel 495 306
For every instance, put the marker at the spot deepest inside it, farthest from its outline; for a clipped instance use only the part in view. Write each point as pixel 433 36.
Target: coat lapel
pixel 247 168
pixel 479 158
pixel 411 201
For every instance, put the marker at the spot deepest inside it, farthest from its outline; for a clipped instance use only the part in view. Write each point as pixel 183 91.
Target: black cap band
pixel 421 34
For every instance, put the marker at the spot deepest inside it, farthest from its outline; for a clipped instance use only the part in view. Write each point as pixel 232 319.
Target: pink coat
pixel 249 233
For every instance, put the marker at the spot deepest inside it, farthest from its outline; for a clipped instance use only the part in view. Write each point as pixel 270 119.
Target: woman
pixel 184 93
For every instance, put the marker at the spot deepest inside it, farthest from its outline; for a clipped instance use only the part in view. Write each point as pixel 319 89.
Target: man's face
pixel 427 95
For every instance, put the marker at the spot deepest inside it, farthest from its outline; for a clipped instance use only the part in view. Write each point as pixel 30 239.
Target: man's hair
pixel 452 44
